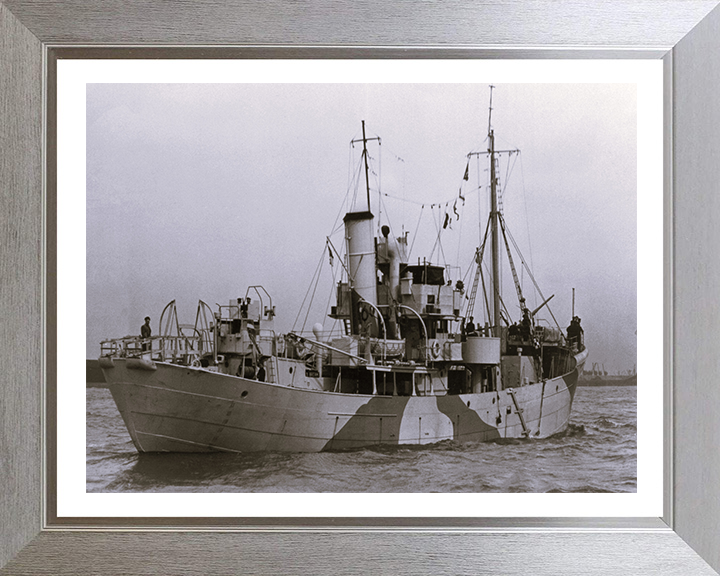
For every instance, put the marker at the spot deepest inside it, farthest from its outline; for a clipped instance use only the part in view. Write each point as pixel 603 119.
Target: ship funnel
pixel 361 254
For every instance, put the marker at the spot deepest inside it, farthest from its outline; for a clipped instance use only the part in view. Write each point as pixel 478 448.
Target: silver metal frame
pixel 32 37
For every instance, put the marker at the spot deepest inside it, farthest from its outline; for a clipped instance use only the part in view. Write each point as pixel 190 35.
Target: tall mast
pixel 365 157
pixel 494 219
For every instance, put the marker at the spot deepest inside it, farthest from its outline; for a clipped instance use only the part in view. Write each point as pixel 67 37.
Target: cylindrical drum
pixel 361 254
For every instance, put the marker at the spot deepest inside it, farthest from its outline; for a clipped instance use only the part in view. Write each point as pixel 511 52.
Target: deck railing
pixel 175 349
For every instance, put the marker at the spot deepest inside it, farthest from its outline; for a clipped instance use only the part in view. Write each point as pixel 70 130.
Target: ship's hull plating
pixel 182 409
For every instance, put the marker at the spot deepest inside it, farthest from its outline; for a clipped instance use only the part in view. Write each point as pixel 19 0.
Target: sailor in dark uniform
pixel 261 370
pixel 574 332
pixel 145 333
pixel 525 325
pixel 470 328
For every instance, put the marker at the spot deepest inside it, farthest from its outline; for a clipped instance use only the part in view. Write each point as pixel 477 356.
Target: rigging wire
pixel 503 308
pixel 438 242
pixel 316 273
pixel 502 302
pixel 509 168
pixel 518 287
pixel 527 218
pixel 356 186
pixel 460 233
pixel 479 258
pixel 441 249
pixel 420 202
pixel 330 295
pixel 340 258
pixel 344 203
pixel 480 203
pixel 350 174
pixel 437 229
pixel 532 278
pixel 469 269
pixel 379 180
pixel 416 231
pixel 312 298
pixel 485 296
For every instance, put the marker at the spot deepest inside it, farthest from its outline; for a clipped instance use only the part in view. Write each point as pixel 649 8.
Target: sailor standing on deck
pixel 470 328
pixel 525 325
pixel 574 333
pixel 261 370
pixel 145 333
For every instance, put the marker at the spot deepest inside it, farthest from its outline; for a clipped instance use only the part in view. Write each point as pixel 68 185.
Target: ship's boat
pixel 410 366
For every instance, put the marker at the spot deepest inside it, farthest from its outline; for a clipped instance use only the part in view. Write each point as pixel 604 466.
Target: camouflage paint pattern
pixel 173 408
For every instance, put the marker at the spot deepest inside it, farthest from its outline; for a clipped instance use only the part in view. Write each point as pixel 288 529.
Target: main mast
pixel 494 224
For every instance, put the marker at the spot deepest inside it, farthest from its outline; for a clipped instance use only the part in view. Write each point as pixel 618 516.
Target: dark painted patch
pixel 467 425
pixel 377 422
pixel 571 381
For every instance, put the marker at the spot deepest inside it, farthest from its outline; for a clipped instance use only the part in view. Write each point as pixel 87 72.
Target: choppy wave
pixel 583 489
pixel 572 431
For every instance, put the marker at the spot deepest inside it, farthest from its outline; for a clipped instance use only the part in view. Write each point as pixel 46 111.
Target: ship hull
pixel 172 408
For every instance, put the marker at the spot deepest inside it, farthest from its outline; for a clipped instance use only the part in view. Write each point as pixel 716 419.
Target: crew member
pixel 525 325
pixel 471 327
pixel 145 333
pixel 574 333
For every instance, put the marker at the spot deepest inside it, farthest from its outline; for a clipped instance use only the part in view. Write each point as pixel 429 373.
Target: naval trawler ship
pixel 410 365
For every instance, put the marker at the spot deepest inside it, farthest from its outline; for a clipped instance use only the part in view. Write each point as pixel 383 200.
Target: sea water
pixel 597 453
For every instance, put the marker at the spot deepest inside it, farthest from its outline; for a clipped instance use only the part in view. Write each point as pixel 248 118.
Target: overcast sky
pixel 196 191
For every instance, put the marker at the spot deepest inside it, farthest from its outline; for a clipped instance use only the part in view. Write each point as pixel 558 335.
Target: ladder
pixel 526 430
pixel 478 271
pixel 473 291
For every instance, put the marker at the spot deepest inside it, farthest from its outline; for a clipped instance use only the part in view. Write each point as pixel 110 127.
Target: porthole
pixel 290 370
pixel 244 393
pixel 468 403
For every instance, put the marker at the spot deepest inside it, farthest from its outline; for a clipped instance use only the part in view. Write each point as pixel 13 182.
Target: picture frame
pixel 685 540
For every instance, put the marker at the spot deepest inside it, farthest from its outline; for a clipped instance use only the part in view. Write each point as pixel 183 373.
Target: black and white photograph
pixel 362 287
